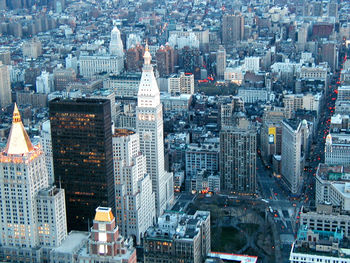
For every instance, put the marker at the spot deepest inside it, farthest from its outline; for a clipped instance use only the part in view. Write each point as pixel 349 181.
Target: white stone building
pixel 33 212
pixel 337 149
pixel 5 86
pixel 294 137
pixel 44 83
pixel 46 145
pixel 181 84
pixel 116 45
pixel 123 85
pixel 91 66
pixel 135 200
pixel 149 126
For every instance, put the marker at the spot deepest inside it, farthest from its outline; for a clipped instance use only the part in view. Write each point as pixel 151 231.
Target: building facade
pixel 294 144
pixel 135 200
pixel 238 147
pixel 220 62
pixel 232 29
pixel 178 237
pixel 33 211
pixel 116 45
pixel 149 126
pixel 5 86
pixel 82 153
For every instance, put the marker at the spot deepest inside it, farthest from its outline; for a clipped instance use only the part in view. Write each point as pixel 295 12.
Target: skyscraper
pixel 5 86
pixel 294 140
pixel 134 58
pixel 232 29
pixel 135 203
pixel 32 211
pixel 82 152
pixel 149 126
pixel 165 60
pixel 238 139
pixel 45 141
pixel 116 45
pixel 220 62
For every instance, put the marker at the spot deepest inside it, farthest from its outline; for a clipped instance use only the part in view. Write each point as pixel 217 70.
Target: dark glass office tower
pixel 82 155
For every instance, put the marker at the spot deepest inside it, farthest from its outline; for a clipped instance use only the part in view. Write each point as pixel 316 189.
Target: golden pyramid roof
pixel 104 214
pixel 18 141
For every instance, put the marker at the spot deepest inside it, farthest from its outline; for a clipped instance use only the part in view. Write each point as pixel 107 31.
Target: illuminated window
pixel 102 237
pixel 102 249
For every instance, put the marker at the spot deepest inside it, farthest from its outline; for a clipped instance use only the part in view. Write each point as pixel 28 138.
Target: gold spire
pixel 18 141
pixel 104 214
pixel 16 115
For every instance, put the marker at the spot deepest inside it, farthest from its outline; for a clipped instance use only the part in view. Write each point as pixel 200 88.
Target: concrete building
pixel 238 145
pixel 270 140
pixel 295 136
pixel 116 45
pixel 149 126
pixel 234 75
pixel 63 77
pixel 203 182
pixel 103 244
pixel 134 58
pixel 178 237
pixel 165 58
pixel 343 94
pixel 176 104
pixel 308 101
pixel 135 200
pixel 251 64
pixel 92 66
pixel 72 62
pixel 29 97
pixel 32 49
pixel 5 56
pixel 202 157
pixel 329 54
pixel 319 246
pixel 34 214
pixel 5 86
pixel 337 149
pixel 181 84
pixel 332 185
pixel 192 38
pixel 46 145
pixel 220 62
pixel 253 95
pixel 232 29
pixel 105 94
pixel 45 83
pixel 325 218
pixel 124 85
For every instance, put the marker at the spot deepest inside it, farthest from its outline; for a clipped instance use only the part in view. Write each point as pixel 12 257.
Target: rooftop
pixel 177 225
pixel 73 242
pixel 122 132
pixel 227 257
pixel 333 172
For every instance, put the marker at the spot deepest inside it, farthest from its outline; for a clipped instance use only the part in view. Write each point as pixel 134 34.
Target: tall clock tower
pixel 149 125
